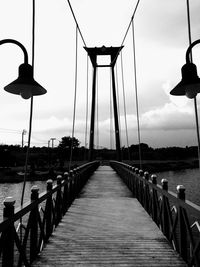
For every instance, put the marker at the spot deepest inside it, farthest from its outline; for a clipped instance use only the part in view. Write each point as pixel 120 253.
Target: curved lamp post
pixel 24 85
pixel 189 85
pixel 27 87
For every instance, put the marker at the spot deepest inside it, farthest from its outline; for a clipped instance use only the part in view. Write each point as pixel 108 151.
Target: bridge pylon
pixel 113 52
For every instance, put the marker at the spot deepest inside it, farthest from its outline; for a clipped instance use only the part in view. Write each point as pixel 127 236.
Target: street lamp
pixel 24 85
pixel 189 85
pixel 27 87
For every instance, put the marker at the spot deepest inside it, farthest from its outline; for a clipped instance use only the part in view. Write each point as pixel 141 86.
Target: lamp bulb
pixel 25 93
pixel 191 92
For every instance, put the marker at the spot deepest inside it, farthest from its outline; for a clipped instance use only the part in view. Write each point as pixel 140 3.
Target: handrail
pixel 179 219
pixel 20 244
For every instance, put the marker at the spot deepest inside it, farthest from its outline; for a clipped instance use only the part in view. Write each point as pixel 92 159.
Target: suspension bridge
pixel 101 213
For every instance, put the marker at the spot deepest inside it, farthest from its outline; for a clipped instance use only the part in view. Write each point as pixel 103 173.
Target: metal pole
pixel 53 139
pixel 49 159
pixel 197 128
pixel 23 133
pixel 22 138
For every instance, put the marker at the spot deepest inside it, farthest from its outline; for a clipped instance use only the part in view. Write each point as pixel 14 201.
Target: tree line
pixel 14 155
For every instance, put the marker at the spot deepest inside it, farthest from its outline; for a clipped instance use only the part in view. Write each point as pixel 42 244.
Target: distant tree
pixel 67 142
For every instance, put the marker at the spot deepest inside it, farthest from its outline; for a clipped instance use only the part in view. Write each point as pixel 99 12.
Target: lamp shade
pixel 25 85
pixel 190 83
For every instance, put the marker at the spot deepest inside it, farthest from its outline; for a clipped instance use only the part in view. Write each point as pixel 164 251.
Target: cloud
pixel 167 118
pixel 176 114
pixel 44 129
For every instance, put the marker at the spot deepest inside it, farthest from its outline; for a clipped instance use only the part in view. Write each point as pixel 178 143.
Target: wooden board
pixel 106 226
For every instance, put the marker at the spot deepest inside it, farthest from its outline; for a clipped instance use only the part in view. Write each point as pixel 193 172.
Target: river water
pixel 190 178
pixel 15 190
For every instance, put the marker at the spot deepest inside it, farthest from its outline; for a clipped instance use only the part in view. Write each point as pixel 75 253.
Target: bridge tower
pixel 113 52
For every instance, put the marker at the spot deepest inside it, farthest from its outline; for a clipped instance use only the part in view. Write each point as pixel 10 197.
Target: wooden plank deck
pixel 106 226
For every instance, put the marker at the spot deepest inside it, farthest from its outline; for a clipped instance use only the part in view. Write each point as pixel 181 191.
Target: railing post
pixel 58 201
pixel 49 211
pixel 137 185
pixel 164 183
pixel 182 225
pixel 154 200
pixel 75 181
pixel 181 192
pixel 165 208
pixel 146 192
pixel 8 234
pixel 133 181
pixel 65 193
pixel 71 186
pixel 34 224
pixel 78 182
pixel 136 170
pixel 141 188
pixel 154 179
pixel 146 176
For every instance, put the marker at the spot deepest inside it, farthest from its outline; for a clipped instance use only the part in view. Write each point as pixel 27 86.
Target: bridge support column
pixel 113 53
pixel 91 146
pixel 117 136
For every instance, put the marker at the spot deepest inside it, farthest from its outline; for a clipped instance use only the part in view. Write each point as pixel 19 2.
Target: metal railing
pixel 178 218
pixel 24 232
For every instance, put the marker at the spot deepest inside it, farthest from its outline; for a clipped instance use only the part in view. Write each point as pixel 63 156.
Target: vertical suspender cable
pixel 75 93
pixel 86 115
pixel 111 114
pixel 136 96
pixel 124 101
pixel 97 111
pixel 31 108
pixel 195 99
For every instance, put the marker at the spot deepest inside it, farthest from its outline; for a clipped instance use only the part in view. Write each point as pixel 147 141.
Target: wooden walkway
pixel 106 226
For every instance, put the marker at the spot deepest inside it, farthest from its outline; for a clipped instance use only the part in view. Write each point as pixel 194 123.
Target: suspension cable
pixel 76 22
pixel 75 93
pixel 31 106
pixel 132 18
pixel 136 96
pixel 195 98
pixel 124 98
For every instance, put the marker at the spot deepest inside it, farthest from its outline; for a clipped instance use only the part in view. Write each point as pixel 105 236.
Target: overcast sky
pixel 161 42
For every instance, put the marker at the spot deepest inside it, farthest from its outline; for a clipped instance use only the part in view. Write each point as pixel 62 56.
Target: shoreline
pixel 155 166
pixel 15 175
pixel 18 177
